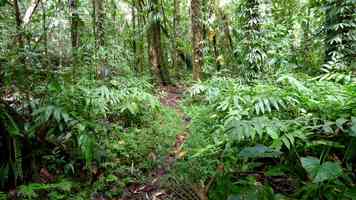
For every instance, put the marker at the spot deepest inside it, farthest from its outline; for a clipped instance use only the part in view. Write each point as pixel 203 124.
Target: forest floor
pixel 169 96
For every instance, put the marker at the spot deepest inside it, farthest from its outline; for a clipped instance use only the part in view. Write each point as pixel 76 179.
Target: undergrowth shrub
pixel 88 112
pixel 89 129
pixel 277 132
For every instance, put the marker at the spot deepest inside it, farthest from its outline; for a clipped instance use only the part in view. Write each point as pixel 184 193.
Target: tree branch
pixel 29 12
pixel 8 2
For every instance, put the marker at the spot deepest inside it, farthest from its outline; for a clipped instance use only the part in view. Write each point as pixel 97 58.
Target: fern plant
pixel 285 121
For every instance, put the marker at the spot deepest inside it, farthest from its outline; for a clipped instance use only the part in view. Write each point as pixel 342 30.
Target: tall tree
pixel 30 11
pixel 176 36
pixel 19 37
pixel 75 35
pixel 141 40
pixel 134 32
pixel 197 39
pixel 45 34
pixel 99 19
pixel 155 45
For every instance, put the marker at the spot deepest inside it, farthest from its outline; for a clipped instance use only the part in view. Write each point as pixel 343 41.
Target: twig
pixel 8 2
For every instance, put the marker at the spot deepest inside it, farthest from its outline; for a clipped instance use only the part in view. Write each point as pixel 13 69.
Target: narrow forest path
pixel 169 96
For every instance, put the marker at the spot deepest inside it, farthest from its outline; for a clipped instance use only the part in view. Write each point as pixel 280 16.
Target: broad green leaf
pixel 328 171
pixel 259 151
pixel 111 178
pixel 291 138
pixel 272 132
pixel 262 107
pixel 257 109
pixel 274 103
pixel 286 142
pixel 311 165
pixel 267 104
pixel 281 102
pixel 321 172
pixel 259 125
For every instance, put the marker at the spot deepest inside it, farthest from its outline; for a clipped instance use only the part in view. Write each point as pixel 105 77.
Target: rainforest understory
pixel 178 99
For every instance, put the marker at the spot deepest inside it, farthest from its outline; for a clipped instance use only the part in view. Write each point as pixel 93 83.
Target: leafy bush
pixel 286 122
pixel 32 190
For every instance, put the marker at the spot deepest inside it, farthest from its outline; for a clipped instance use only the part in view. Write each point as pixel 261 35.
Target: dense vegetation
pixel 175 99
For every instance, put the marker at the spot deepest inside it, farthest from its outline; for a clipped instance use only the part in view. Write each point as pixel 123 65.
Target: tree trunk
pixel 140 23
pixel 19 36
pixel 99 34
pixel 75 37
pixel 30 11
pixel 45 36
pixel 216 52
pixel 99 19
pixel 226 29
pixel 134 38
pixel 155 48
pixel 197 40
pixel 94 24
pixel 177 32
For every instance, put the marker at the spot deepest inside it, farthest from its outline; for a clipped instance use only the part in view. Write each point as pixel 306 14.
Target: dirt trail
pixel 152 190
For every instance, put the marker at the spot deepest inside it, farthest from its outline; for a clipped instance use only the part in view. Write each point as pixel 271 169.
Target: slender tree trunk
pixel 45 36
pixel 226 29
pixel 134 38
pixel 140 24
pixel 227 42
pixel 94 24
pixel 176 35
pixel 216 53
pixel 98 16
pixel 75 37
pixel 100 22
pixel 197 40
pixel 30 11
pixel 155 50
pixel 19 36
pixel 99 33
pixel 305 50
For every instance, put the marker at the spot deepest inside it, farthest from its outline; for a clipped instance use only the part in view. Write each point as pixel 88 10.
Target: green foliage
pixel 321 172
pixel 3 196
pixel 273 118
pixel 245 127
pixel 82 112
pixel 258 151
pixel 32 190
pixel 253 55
